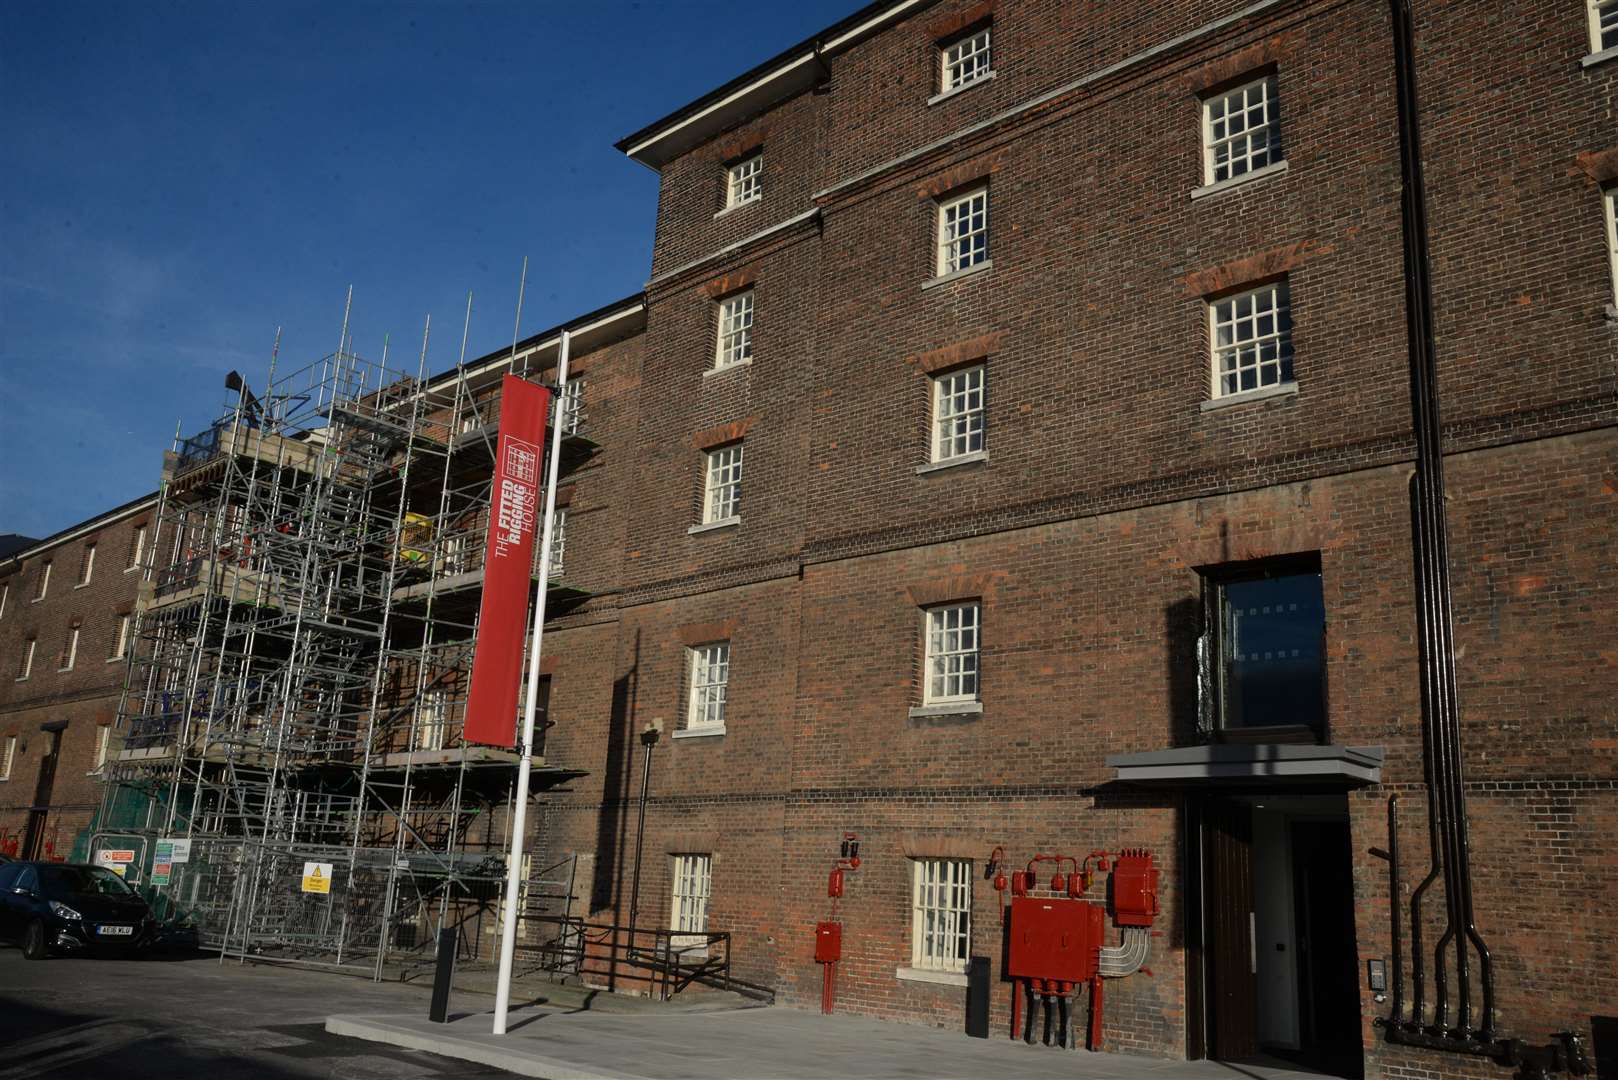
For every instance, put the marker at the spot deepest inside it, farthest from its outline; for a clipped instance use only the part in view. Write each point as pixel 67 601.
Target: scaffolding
pixel 297 682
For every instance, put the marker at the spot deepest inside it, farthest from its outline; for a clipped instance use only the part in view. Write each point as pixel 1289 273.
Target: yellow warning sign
pixel 317 877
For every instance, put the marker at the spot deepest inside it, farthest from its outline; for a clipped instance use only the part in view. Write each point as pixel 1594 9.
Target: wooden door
pixel 1232 978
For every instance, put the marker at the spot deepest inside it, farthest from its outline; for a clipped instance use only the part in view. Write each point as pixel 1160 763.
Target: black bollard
pixel 977 997
pixel 443 974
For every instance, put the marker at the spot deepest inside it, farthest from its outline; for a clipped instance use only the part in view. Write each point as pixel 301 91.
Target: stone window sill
pixel 956 275
pixel 727 369
pixel 699 732
pixel 1599 57
pixel 739 206
pixel 115 659
pixel 1275 168
pixel 974 458
pixel 82 585
pixel 945 95
pixel 1285 389
pixel 710 526
pixel 940 978
pixel 953 708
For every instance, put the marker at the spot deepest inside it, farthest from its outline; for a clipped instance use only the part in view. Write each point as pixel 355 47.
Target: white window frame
pixel 734 343
pixel 103 745
pixel 708 679
pixel 432 720
pixel 690 890
pixel 120 642
pixel 28 659
pixel 72 650
pixel 1609 198
pixel 558 541
pixel 961 249
pixel 965 60
pixel 9 758
pixel 722 484
pixel 87 571
pixel 1242 156
pixel 570 401
pixel 137 548
pixel 1603 11
pixel 1251 331
pixel 940 914
pixel 744 181
pixel 44 582
pixel 959 407
pixel 953 654
pixel 5 595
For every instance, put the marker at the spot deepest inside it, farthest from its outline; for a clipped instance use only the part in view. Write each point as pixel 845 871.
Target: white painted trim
pixel 699 732
pixel 827 48
pixel 727 369
pixel 945 95
pixel 728 249
pixel 956 275
pixel 1599 57
pixel 947 708
pixel 1278 390
pixel 1274 168
pixel 922 975
pixel 974 458
pixel 734 96
pixel 89 526
pixel 709 526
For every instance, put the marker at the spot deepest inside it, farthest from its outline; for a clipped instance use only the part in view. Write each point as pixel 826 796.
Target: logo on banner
pixel 514 514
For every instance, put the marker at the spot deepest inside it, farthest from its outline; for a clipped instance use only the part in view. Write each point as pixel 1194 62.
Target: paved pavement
pixel 757 1044
pixel 63 1019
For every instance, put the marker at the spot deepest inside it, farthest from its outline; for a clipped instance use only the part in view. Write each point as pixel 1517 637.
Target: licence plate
pixel 115 931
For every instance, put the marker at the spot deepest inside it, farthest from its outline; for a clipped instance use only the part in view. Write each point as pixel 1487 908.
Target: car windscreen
pixel 82 881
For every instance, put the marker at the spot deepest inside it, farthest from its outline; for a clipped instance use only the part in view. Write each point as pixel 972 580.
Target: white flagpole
pixel 519 808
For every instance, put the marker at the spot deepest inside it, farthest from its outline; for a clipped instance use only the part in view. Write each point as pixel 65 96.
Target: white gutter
pixel 841 41
pixel 88 527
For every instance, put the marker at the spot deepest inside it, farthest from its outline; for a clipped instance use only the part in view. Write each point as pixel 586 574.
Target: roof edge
pixel 753 89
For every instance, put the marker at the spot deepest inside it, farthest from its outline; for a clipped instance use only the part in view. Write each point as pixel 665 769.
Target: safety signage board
pixel 178 848
pixel 117 855
pixel 317 877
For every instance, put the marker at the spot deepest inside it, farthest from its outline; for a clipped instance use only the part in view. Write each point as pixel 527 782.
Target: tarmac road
pixel 195 1017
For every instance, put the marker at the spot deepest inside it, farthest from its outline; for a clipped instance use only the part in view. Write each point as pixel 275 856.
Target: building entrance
pixel 1278 967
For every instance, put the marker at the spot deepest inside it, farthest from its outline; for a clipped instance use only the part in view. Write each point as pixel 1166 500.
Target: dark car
pixel 71 908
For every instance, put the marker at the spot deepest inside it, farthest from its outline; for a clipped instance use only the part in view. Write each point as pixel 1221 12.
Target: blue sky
pixel 182 178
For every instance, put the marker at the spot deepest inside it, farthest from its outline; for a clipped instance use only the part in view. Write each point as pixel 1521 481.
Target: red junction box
pixel 1134 889
pixel 1054 939
pixel 828 942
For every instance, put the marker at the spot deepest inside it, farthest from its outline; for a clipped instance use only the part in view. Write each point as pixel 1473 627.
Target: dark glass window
pixel 1268 659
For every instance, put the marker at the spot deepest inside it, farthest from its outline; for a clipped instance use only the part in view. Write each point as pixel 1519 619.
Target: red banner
pixel 514 515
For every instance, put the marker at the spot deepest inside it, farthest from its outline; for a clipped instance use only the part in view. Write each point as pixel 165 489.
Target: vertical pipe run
pixel 649 741
pixel 1440 709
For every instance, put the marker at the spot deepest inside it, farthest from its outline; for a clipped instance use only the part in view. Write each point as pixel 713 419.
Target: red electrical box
pixel 828 942
pixel 1134 889
pixel 1054 939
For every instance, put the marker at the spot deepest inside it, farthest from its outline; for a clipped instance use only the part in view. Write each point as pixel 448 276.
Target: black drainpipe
pixel 1441 733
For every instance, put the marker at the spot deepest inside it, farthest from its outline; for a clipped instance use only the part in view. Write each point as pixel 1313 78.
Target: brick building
pixel 1064 351
pixel 1060 343
pixel 66 604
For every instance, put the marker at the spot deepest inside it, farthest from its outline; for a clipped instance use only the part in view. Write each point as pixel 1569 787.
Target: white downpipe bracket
pixel 525 760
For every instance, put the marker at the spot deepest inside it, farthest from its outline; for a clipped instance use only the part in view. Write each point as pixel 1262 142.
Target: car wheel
pixel 33 941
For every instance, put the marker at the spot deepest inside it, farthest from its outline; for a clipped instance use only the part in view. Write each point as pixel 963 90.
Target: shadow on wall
pixel 1182 625
pixel 612 822
pixel 1604 1036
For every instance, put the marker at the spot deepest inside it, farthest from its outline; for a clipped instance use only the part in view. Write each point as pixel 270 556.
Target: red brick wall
pixel 85 697
pixel 1107 484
